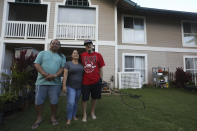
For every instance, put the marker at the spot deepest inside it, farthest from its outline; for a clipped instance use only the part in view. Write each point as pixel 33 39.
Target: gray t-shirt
pixel 75 74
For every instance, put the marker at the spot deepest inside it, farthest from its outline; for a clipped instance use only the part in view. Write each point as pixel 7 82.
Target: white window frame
pixel 182 33
pixel 187 56
pixel 134 42
pixel 134 54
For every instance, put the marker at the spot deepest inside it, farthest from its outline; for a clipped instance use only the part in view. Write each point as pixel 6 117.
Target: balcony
pixel 25 30
pixel 76 31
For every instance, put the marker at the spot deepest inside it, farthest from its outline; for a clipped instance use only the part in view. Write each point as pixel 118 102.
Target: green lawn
pixel 166 110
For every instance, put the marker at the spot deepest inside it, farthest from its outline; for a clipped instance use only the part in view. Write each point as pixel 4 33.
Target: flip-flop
pixel 54 122
pixel 36 125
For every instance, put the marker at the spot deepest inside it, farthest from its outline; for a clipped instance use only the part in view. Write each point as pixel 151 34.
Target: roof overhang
pixel 130 6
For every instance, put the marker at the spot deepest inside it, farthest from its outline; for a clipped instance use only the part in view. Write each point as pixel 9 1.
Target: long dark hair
pixel 59 51
pixel 79 60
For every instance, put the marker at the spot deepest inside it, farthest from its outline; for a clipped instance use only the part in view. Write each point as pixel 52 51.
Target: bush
pixel 182 78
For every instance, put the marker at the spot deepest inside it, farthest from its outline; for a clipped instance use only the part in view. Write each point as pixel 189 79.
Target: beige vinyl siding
pixel 161 31
pixel 108 53
pixel 155 59
pixel 106 27
pixel 1 15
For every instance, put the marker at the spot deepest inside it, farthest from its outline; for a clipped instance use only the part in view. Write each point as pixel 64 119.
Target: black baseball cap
pixel 87 42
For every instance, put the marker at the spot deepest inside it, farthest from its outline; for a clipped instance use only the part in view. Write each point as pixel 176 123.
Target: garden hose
pixel 132 96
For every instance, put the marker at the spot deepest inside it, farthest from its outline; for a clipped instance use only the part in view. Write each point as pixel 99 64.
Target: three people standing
pixel 78 79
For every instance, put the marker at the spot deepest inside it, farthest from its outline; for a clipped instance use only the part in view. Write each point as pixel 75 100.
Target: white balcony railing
pixel 22 29
pixel 76 31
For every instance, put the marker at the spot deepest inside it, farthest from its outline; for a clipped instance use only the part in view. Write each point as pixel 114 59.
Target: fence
pixel 129 80
pixel 75 31
pixel 22 29
pixel 171 77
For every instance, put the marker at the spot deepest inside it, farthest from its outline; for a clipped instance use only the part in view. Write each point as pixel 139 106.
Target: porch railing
pixel 76 31
pixel 26 30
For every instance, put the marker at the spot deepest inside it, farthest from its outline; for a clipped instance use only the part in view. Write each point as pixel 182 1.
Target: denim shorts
pixel 53 91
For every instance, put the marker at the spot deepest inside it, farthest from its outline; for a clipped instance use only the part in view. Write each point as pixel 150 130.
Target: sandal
pixel 54 122
pixel 36 125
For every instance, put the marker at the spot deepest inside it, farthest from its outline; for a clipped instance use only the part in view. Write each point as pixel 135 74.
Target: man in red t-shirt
pixel 92 79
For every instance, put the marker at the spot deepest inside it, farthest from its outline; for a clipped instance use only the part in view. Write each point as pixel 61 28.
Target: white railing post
pixel 26 25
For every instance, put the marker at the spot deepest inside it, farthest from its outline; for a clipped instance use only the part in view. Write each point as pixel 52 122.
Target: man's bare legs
pixel 93 109
pixel 39 113
pixel 84 106
pixel 53 112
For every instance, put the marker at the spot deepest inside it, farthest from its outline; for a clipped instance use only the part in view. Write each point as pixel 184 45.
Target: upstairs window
pixel 189 33
pixel 28 1
pixel 77 3
pixel 133 30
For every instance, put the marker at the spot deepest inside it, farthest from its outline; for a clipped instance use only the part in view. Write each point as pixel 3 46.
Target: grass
pixel 166 110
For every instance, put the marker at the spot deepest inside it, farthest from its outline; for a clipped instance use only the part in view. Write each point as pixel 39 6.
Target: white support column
pixel 97 26
pixel 2 54
pixel 46 44
pixel 5 17
pixel 116 45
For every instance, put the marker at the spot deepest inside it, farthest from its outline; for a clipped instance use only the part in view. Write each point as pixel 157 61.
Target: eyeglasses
pixel 56 43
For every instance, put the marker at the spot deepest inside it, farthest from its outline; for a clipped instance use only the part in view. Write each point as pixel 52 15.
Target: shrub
pixel 181 77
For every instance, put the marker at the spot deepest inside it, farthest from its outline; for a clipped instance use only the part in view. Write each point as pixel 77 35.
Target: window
pixel 135 63
pixel 77 15
pixel 191 64
pixel 189 33
pixel 28 1
pixel 133 29
pixel 79 3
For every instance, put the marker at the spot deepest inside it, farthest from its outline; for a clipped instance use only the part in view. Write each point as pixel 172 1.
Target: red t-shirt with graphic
pixel 92 62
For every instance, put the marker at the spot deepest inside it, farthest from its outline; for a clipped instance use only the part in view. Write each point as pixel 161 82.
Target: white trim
pixel 107 43
pixel 2 54
pixel 145 33
pixel 5 15
pixel 116 43
pixel 151 48
pixel 67 42
pixel 72 46
pixel 97 24
pixel 24 41
pixel 135 54
pixel 182 33
pixel 187 56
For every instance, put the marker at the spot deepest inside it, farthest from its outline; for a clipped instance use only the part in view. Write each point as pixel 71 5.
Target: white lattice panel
pixel 129 80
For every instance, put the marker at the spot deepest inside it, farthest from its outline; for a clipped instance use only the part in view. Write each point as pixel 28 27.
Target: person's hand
pixel 51 77
pixel 64 89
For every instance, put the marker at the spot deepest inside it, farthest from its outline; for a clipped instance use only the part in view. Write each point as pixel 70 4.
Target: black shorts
pixel 94 90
